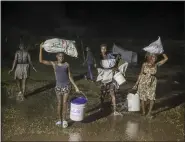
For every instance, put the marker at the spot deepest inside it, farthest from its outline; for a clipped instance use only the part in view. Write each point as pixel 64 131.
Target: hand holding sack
pixel 57 45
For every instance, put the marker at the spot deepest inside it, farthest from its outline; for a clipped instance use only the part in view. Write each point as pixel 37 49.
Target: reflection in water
pixel 75 137
pixel 132 129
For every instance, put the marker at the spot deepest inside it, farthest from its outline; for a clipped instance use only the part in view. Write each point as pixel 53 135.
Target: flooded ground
pixel 34 119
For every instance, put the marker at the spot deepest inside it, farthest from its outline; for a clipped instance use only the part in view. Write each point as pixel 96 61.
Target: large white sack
pixel 57 45
pixel 108 63
pixel 128 56
pixel 155 47
pixel 105 76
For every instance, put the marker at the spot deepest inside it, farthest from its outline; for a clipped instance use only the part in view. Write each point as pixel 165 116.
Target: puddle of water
pixel 114 128
pixel 39 124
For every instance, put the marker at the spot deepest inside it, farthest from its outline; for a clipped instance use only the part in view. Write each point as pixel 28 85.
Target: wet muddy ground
pixel 34 119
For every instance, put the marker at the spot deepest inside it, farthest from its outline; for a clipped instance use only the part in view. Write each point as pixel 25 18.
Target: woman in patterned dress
pixel 147 81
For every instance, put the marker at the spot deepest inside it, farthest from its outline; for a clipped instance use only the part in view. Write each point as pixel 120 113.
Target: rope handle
pixel 82 94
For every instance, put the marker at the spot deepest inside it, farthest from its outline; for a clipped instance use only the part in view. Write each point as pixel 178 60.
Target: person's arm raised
pixel 164 60
pixel 41 58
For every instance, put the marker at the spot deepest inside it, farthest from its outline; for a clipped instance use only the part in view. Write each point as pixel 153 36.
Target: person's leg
pixel 90 71
pixel 113 98
pixel 19 84
pixel 102 96
pixel 64 110
pixel 19 95
pixel 59 105
pixel 143 107
pixel 150 108
pixel 24 86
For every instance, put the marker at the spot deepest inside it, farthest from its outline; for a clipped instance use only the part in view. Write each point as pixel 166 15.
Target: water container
pixel 133 102
pixel 119 78
pixel 77 109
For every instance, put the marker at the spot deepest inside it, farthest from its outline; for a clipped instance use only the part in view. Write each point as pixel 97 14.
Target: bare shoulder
pixel 53 62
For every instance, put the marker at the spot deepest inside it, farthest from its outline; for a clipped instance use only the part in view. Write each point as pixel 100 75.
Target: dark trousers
pixel 89 73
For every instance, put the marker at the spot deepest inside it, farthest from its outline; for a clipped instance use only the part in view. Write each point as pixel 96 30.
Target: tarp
pixel 128 56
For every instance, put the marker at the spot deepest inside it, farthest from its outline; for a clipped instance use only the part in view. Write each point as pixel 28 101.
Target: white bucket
pixel 119 78
pixel 77 109
pixel 133 102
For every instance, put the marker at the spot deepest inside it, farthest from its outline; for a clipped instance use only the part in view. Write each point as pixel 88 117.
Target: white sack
pixel 56 45
pixel 155 47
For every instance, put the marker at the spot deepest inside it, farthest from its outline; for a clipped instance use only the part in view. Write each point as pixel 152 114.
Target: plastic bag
pixel 57 45
pixel 155 47
pixel 108 63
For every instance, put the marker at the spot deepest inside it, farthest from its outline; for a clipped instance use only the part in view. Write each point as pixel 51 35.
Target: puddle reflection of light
pixel 132 129
pixel 75 137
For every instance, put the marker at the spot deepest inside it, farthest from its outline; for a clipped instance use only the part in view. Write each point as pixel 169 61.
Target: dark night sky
pixel 117 19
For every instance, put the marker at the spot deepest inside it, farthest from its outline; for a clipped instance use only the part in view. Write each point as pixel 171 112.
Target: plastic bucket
pixel 133 102
pixel 119 78
pixel 77 109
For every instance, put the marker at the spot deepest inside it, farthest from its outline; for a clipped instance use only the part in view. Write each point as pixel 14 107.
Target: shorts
pixel 63 90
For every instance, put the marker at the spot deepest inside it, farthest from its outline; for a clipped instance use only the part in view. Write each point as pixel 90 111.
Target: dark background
pixel 109 19
pixel 139 23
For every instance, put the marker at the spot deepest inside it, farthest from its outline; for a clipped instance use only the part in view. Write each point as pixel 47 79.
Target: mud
pixel 34 119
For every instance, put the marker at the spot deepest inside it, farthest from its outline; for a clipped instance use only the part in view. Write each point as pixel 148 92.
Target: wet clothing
pixel 22 68
pixel 147 83
pixel 62 79
pixel 22 71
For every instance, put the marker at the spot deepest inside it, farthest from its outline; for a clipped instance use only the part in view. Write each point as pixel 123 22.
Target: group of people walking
pixel 145 85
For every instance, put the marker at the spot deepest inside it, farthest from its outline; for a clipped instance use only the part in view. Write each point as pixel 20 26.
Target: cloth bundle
pixel 57 45
pixel 155 47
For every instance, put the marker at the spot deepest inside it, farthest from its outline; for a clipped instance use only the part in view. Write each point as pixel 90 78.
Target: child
pixel 63 84
pixel 21 64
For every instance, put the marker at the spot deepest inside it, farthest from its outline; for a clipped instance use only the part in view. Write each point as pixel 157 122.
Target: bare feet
pixel 149 116
pixel 117 113
pixel 143 114
pixel 20 97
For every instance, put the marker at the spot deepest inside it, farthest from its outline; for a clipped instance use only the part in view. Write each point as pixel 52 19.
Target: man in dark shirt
pixel 21 64
pixel 90 60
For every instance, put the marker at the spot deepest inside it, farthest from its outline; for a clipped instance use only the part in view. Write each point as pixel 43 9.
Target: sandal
pixel 64 124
